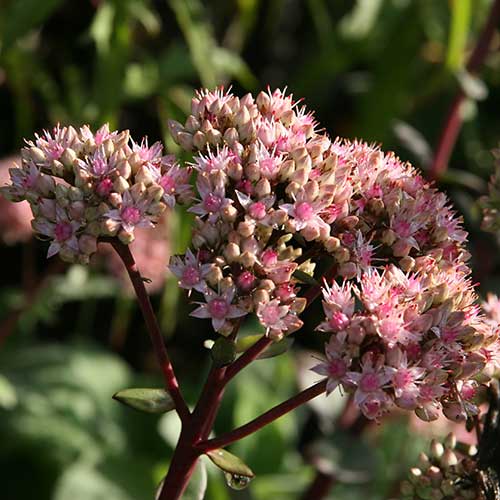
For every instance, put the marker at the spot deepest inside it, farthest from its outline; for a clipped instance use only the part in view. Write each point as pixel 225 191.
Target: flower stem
pixel 181 467
pixel 320 487
pixel 153 328
pixel 453 121
pixel 247 357
pixel 264 419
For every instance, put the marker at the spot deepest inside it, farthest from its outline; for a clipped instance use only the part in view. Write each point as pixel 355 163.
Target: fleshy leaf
pixel 275 349
pixel 223 352
pixel 230 464
pixel 243 343
pixel 146 400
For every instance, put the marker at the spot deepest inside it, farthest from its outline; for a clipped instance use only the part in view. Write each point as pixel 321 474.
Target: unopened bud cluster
pixel 274 196
pixel 444 474
pixel 82 186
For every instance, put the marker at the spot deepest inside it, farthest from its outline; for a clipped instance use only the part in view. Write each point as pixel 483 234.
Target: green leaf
pixel 199 37
pixel 8 395
pixel 101 29
pixel 230 63
pixel 150 19
pixel 244 343
pixel 146 400
pixel 230 463
pixel 223 352
pixel 275 349
pixel 360 21
pixel 21 16
pixel 459 30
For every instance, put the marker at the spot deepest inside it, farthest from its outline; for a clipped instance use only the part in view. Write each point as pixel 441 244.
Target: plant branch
pixel 247 357
pixel 453 121
pixel 320 486
pixel 264 419
pixel 153 328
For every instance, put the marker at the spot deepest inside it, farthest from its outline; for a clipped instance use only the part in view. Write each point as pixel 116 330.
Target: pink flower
pixel 62 231
pixel 148 154
pixel 370 382
pixel 131 214
pixel 259 210
pixel 213 200
pixel 305 216
pixel 175 183
pixel 336 365
pixel 276 318
pixel 98 164
pixel 101 135
pixel 190 271
pixel 405 380
pixel 218 161
pixel 218 307
pixel 53 144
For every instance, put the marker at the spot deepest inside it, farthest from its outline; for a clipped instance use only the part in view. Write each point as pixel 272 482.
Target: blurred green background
pixel 382 70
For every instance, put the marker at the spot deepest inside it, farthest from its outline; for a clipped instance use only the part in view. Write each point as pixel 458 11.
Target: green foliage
pixel 229 463
pixel 65 421
pixel 146 400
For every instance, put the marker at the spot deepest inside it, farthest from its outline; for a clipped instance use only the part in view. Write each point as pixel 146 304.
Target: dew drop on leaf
pixel 236 481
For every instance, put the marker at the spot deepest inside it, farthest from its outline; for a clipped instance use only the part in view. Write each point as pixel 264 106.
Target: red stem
pixel 320 487
pixel 247 357
pixel 264 419
pixel 453 121
pixel 153 328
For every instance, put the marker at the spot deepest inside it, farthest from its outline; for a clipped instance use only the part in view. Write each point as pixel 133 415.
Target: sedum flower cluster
pixel 444 474
pixel 82 186
pixel 276 205
pixel 275 198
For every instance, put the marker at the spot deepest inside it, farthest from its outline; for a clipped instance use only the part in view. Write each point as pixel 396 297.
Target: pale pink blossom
pixel 190 271
pixel 218 307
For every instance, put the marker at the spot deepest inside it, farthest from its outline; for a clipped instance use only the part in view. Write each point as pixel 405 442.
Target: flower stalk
pixel 170 380
pixel 264 419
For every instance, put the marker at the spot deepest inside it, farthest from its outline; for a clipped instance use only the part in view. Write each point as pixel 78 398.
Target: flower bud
pixel 232 252
pixel 126 237
pixel 68 157
pixel 144 175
